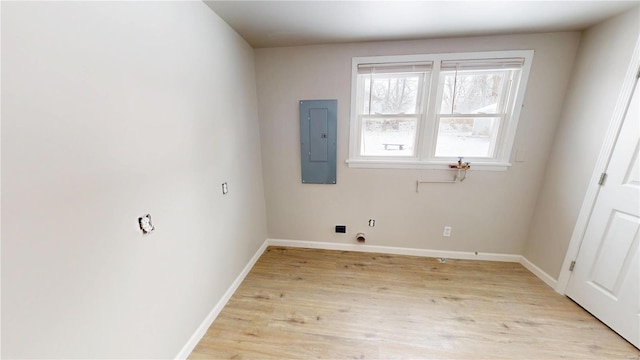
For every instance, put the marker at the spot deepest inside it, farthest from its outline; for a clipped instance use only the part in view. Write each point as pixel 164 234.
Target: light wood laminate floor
pixel 307 303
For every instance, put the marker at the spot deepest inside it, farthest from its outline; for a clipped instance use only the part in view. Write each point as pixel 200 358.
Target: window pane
pixel 388 137
pixel 469 137
pixel 392 93
pixel 473 92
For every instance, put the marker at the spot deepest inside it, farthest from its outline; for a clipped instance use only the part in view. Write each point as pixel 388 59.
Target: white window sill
pixel 421 165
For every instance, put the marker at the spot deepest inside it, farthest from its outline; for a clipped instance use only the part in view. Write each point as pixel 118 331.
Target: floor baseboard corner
pixel 213 314
pixel 541 274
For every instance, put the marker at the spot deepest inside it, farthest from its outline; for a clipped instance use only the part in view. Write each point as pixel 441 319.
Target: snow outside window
pixel 425 111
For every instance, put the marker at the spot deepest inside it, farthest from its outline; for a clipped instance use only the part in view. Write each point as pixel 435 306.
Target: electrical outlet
pixel 447 231
pixel 372 222
pixel 225 188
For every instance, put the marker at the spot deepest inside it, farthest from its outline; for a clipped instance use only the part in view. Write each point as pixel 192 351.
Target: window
pixel 392 106
pixel 425 111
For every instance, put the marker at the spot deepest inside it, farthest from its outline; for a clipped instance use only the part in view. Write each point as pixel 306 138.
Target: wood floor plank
pixel 308 303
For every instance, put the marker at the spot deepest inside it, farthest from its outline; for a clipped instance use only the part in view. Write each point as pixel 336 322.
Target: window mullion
pixel 496 139
pixel 505 121
pixel 360 109
pixel 428 117
pixel 423 92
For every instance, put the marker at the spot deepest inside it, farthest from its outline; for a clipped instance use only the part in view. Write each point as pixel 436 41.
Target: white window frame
pixel 427 127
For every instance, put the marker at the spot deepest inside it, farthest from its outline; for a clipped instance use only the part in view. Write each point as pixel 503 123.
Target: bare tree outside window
pixel 392 94
pixel 468 93
pixel 390 106
pixel 471 92
pixel 422 111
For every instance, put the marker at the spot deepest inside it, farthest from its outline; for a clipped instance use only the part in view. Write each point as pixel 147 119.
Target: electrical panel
pixel 318 130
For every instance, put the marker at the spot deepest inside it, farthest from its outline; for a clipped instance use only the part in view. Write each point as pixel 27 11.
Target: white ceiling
pixel 289 23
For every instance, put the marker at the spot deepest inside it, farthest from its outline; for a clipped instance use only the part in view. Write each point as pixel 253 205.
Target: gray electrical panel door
pixel 318 129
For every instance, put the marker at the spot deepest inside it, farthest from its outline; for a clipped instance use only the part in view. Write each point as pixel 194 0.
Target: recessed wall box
pixel 145 224
pixel 318 130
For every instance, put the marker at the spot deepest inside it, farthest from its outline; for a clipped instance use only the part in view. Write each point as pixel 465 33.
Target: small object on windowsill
pixel 465 166
pixel 460 165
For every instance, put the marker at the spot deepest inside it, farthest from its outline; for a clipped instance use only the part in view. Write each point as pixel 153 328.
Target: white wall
pixel 111 110
pixel 489 212
pixel 602 61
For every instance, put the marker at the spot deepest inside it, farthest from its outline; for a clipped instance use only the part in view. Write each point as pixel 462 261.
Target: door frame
pixel 601 165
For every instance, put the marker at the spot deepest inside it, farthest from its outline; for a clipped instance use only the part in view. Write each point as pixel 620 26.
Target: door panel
pixel 613 255
pixel 606 276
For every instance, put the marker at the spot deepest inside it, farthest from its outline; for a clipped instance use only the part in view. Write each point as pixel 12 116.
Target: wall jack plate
pixel 225 188
pixel 145 224
pixel 447 231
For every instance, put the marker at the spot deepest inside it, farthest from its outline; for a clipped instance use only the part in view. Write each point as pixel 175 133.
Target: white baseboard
pixel 202 329
pixel 546 278
pixel 461 255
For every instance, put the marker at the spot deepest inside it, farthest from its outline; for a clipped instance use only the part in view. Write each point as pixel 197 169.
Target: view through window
pixel 426 109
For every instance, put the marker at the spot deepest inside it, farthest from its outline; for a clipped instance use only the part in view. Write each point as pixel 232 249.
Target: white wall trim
pixel 546 278
pixel 202 329
pixel 421 165
pixel 601 165
pixel 461 255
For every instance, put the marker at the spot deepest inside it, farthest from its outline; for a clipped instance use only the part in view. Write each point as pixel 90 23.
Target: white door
pixel 606 276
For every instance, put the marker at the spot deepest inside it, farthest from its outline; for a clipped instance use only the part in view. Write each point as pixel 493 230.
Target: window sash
pixel 495 139
pixel 415 137
pixel 505 91
pixel 429 116
pixel 362 83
